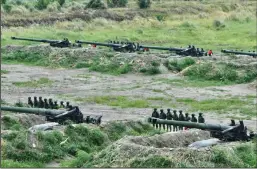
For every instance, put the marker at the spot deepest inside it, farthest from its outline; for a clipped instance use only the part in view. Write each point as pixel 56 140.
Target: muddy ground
pixel 83 83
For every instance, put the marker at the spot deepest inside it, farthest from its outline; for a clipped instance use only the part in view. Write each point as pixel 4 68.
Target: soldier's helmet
pixel 180 111
pixel 174 111
pixel 29 98
pixel 35 97
pixel 40 97
pixel 168 110
pixel 193 115
pixel 155 109
pixel 161 110
pixel 200 114
pixel 186 114
pixel 45 100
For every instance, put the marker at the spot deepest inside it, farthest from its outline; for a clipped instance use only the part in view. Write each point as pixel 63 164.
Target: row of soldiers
pixel 47 104
pixel 175 116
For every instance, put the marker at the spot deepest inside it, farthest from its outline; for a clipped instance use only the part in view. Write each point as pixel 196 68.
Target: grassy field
pixel 221 26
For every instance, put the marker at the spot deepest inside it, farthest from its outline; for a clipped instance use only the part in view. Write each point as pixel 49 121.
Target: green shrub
pixel 218 24
pixel 61 2
pixel 7 8
pixel 152 162
pixel 117 3
pixel 153 70
pixel 96 4
pixel 160 17
pixel 144 4
pixel 179 65
pixel 42 4
pixel 3 1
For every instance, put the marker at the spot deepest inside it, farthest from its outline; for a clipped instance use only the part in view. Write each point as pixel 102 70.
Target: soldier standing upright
pixel 30 102
pixel 155 114
pixel 35 102
pixel 175 117
pixel 187 118
pixel 40 102
pixel 162 116
pixel 169 117
pixel 200 118
pixel 181 118
pixel 193 119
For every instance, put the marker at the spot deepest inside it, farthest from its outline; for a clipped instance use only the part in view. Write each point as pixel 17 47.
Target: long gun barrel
pixel 39 111
pixel 254 54
pixel 54 43
pixel 223 132
pixel 160 48
pixel 190 51
pixel 36 40
pixel 130 47
pixel 73 114
pixel 98 43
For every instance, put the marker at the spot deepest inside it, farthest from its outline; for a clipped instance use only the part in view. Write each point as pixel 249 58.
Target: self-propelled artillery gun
pixel 116 46
pixel 232 132
pixel 60 115
pixel 190 51
pixel 54 43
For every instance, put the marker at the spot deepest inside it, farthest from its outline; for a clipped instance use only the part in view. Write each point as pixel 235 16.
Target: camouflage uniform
pixel 169 117
pixel 155 114
pixel 175 117
pixel 30 103
pixel 181 118
pixel 200 118
pixel 162 116
pixel 193 119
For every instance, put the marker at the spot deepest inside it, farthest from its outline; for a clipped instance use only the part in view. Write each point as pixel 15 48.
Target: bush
pixel 179 65
pixel 3 1
pixel 144 4
pixel 42 4
pixel 7 8
pixel 218 24
pixel 61 2
pixel 117 3
pixel 96 4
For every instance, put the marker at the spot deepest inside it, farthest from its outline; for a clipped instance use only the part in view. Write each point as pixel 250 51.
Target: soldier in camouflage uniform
pixel 30 102
pixel 155 114
pixel 163 117
pixel 169 117
pixel 181 118
pixel 187 118
pixel 41 102
pixel 175 117
pixel 200 118
pixel 193 119
pixel 35 102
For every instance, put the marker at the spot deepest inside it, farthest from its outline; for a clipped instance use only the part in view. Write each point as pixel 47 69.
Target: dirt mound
pixel 142 152
pixel 125 150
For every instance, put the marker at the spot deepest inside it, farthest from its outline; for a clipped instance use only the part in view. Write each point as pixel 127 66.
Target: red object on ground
pixel 186 128
pixel 210 52
pixel 94 45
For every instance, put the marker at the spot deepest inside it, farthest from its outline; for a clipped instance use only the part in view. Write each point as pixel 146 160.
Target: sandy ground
pixel 92 84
